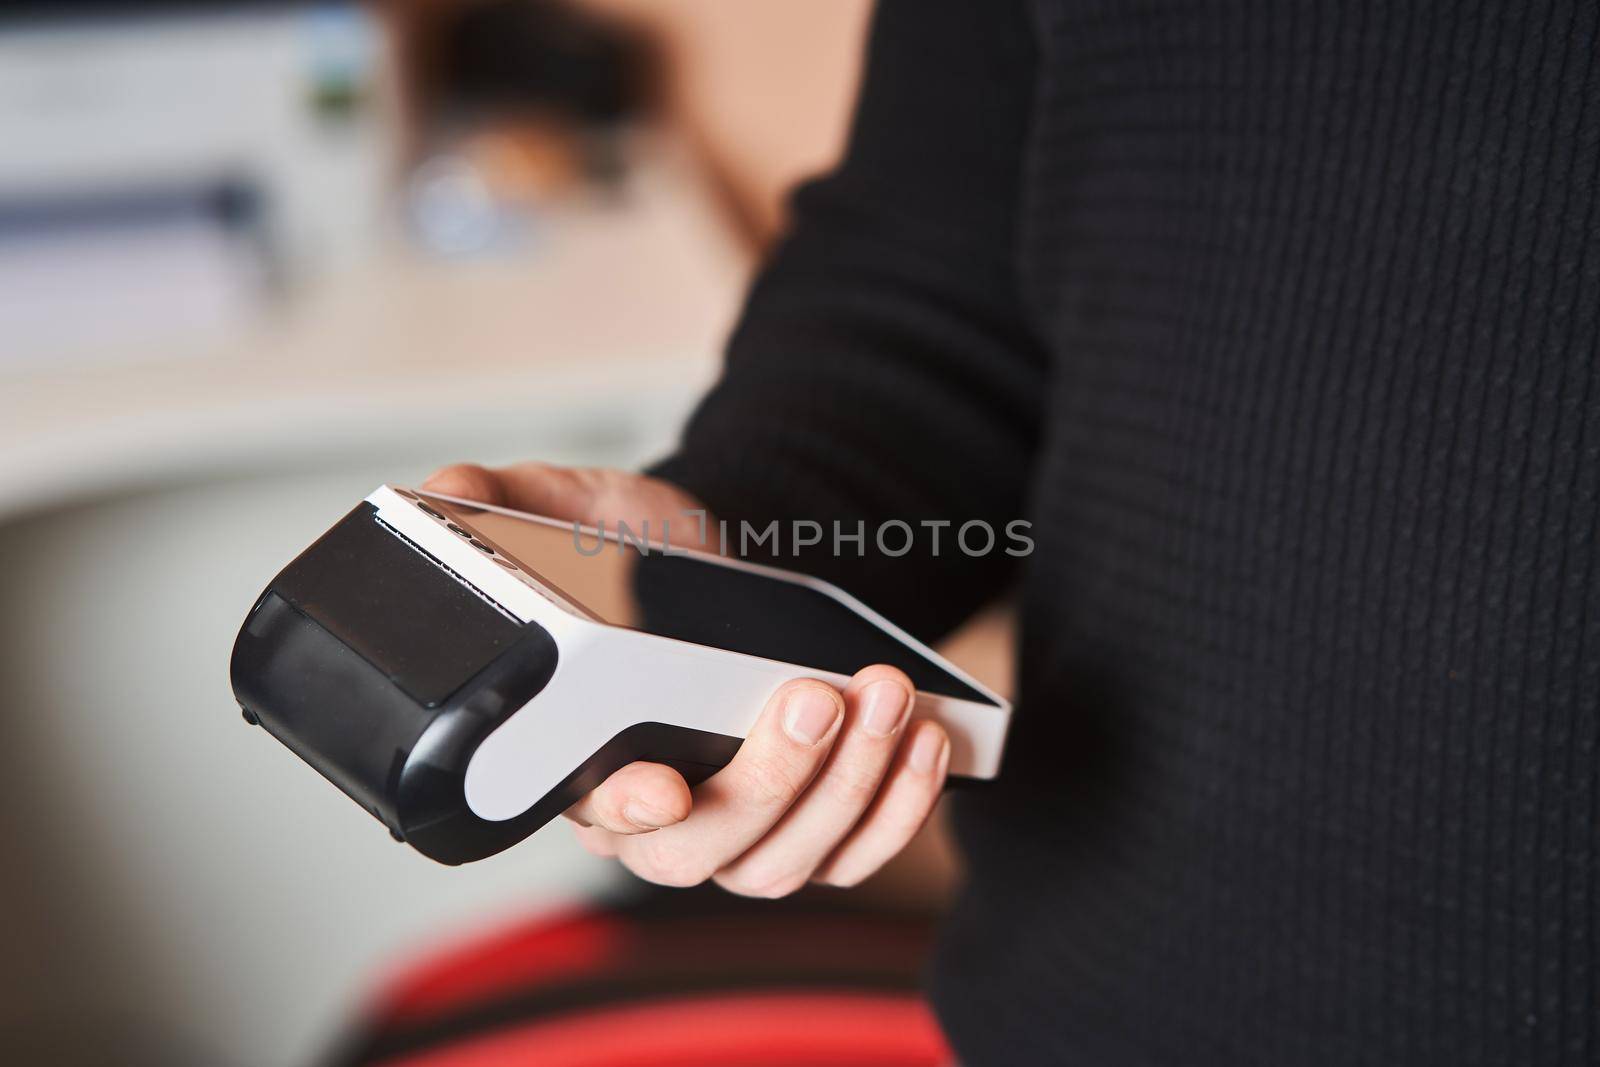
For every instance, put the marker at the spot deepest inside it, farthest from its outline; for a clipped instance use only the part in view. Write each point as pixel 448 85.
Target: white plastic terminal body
pixel 608 678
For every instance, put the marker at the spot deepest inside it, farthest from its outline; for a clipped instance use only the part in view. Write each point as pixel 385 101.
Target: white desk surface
pixel 614 311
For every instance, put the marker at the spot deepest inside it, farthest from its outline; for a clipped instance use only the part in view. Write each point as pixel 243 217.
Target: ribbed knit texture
pixel 1279 321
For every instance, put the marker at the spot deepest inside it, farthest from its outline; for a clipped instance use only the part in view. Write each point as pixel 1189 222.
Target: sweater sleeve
pixel 883 368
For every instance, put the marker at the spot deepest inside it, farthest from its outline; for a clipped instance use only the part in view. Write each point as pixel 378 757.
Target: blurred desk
pixel 609 322
pixel 190 887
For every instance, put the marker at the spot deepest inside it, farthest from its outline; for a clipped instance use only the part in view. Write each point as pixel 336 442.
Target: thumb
pixel 467 481
pixel 574 493
pixel 559 492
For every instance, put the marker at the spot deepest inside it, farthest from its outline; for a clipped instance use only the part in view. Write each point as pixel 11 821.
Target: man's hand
pixel 828 786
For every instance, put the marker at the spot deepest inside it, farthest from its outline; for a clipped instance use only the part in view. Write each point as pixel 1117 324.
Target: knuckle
pixel 754 882
pixel 843 878
pixel 768 781
pixel 614 816
pixel 582 480
pixel 852 784
pixel 466 476
pixel 670 864
pixel 903 821
pixel 594 842
pixel 737 883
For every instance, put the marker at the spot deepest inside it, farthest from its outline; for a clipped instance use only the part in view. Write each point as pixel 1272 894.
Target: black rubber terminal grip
pixel 385 671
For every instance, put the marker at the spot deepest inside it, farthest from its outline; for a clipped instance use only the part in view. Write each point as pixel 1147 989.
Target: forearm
pixel 884 369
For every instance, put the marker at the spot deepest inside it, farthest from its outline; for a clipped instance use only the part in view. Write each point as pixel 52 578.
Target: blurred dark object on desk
pixel 516 106
pixel 543 57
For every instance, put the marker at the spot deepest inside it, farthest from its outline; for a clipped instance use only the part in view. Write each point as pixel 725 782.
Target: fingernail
pixel 926 751
pixel 883 708
pixel 809 714
pixel 644 816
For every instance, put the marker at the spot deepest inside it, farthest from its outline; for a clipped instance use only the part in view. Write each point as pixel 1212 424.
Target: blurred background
pixel 256 259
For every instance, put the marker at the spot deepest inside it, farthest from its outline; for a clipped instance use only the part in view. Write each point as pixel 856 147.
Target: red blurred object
pixel 558 947
pixel 692 978
pixel 775 1030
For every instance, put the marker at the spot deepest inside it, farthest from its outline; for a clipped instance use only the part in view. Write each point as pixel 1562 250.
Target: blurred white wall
pixel 176 881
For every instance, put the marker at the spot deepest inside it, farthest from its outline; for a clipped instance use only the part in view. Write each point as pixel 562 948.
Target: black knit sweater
pixel 1278 321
